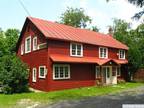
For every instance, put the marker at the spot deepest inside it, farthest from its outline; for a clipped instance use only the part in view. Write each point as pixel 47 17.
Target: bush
pixel 13 75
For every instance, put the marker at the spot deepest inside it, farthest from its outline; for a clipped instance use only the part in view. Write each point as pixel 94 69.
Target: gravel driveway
pixel 131 96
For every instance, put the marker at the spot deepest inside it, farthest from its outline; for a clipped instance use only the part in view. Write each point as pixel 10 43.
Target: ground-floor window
pixel 61 71
pixel 34 75
pixel 118 71
pixel 114 70
pixel 42 71
pixel 97 72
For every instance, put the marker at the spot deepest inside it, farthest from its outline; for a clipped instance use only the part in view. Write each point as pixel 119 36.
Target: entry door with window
pixel 107 74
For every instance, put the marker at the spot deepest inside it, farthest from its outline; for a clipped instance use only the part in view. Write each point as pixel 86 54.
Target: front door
pixel 107 70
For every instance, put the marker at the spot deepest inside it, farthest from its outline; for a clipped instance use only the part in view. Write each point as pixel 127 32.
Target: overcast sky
pixel 12 14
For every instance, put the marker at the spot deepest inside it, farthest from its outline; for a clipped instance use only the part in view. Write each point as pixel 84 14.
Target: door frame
pixel 105 74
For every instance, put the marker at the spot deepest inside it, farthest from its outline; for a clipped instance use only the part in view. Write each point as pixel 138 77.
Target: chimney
pixel 110 31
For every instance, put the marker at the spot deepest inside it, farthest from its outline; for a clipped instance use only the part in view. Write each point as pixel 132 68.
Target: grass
pixel 8 101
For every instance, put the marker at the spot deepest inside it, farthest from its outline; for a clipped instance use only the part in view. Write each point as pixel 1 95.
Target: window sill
pixel 61 78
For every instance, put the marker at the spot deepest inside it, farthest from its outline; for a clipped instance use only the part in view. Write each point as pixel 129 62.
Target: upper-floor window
pixel 34 43
pixel 76 49
pixel 22 49
pixel 103 52
pixel 28 44
pixel 121 54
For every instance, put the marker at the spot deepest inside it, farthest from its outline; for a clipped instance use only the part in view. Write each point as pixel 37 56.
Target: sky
pixel 12 14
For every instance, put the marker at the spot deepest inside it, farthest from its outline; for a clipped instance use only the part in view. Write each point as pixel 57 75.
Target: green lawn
pixel 7 101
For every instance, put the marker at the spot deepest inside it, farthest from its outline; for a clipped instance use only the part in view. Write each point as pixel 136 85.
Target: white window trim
pixel 26 44
pixel 119 54
pixel 35 38
pixel 76 50
pixel 34 79
pixel 22 49
pixel 62 66
pixel 41 44
pixel 106 52
pixel 96 71
pixel 45 71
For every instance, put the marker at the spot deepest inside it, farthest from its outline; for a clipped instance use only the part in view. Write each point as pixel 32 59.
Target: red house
pixel 63 57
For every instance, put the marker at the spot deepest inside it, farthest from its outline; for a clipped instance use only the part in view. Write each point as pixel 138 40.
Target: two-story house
pixel 63 57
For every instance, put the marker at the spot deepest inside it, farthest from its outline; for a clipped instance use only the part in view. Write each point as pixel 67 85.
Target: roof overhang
pixel 93 60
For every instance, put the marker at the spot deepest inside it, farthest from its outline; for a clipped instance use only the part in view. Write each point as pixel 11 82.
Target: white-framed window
pixel 42 46
pixel 34 43
pixel 76 49
pixel 61 71
pixel 42 71
pixel 121 54
pixel 97 72
pixel 118 71
pixel 103 52
pixel 34 74
pixel 28 44
pixel 22 49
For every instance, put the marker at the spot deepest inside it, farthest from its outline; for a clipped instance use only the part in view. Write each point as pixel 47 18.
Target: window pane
pixel 61 72
pixel 56 72
pixel 66 72
pixel 41 71
pixel 73 52
pixel 108 72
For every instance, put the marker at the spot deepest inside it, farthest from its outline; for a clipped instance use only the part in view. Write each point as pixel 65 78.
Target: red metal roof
pixel 122 61
pixel 63 32
pixel 69 59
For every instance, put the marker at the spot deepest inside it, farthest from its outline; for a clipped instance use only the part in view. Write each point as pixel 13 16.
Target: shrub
pixel 13 75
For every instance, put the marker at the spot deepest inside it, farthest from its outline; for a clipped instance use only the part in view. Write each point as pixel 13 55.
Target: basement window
pixel 61 71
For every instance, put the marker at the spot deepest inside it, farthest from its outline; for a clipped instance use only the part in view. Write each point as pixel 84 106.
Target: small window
pixel 42 46
pixel 61 71
pixel 118 71
pixel 22 49
pixel 34 43
pixel 97 72
pixel 42 72
pixel 76 49
pixel 121 54
pixel 34 75
pixel 28 44
pixel 103 52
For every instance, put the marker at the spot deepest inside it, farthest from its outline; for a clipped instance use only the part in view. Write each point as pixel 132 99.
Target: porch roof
pixel 70 59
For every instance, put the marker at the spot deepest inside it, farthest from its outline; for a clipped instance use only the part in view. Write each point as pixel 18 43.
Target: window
pixel 61 71
pixel 118 71
pixel 114 69
pixel 76 49
pixel 28 44
pixel 22 49
pixel 34 75
pixel 97 72
pixel 121 54
pixel 42 46
pixel 42 71
pixel 34 43
pixel 103 52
